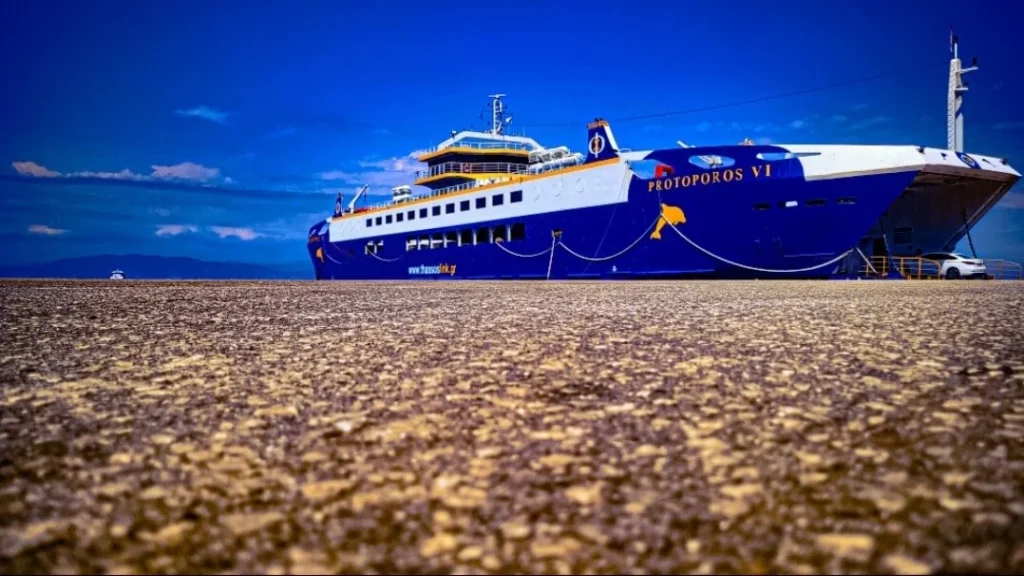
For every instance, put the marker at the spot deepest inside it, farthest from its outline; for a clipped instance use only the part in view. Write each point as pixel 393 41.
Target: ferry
pixel 501 206
pixel 117 275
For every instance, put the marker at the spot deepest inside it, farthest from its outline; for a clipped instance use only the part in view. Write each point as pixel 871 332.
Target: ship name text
pixel 707 178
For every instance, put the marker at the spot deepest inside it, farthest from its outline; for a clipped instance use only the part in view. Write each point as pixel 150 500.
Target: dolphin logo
pixel 669 215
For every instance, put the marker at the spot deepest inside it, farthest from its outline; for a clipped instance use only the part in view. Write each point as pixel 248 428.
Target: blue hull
pixel 744 230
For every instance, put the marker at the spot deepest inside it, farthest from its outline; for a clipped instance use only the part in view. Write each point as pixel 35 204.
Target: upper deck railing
pixel 472 168
pixel 480 146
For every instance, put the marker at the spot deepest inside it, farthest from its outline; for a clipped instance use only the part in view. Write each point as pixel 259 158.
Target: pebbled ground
pixel 725 427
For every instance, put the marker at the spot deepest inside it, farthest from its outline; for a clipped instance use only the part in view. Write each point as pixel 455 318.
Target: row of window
pixel 846 200
pixel 449 208
pixel 464 237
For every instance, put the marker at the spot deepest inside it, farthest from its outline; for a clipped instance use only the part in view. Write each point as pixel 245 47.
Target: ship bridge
pixel 472 158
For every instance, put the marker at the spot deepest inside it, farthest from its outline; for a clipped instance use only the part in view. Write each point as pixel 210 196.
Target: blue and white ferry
pixel 506 207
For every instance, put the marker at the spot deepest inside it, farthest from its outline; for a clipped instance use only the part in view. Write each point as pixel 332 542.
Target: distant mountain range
pixel 141 266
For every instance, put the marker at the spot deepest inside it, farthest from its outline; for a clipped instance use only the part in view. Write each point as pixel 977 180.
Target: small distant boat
pixel 117 275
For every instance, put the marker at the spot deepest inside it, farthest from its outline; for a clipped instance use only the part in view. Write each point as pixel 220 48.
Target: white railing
pixel 481 146
pixel 472 168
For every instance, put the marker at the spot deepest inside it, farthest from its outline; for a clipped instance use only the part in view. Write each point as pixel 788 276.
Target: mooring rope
pixel 545 251
pixel 754 268
pixel 617 254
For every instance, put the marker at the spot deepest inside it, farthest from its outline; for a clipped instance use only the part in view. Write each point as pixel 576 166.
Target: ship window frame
pixel 515 196
pixel 400 217
pixel 846 200
pixel 814 202
pixel 449 208
pixel 435 210
pixel 423 212
pixel 513 236
pixel 498 199
pixel 762 206
pixel 411 215
pixel 464 206
pixel 387 219
pixel 369 222
pixel 481 202
pixel 378 221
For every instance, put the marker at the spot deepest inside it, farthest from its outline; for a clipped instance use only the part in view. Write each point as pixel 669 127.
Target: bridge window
pixel 518 231
pixel 436 210
pixel 516 196
pixel 816 202
pixel 412 215
pixel 481 202
pixel 387 219
pixel 451 239
pixel 483 235
pixel 762 206
pixel 423 212
pixel 369 222
pixel 410 243
pixel 846 200
pixel 379 221
pixel 464 205
pixel 500 232
pixel 466 237
pixel 399 217
pixel 497 200
pixel 449 208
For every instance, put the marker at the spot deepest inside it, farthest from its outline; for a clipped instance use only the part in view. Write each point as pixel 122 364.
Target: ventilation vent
pixel 711 162
pixel 773 156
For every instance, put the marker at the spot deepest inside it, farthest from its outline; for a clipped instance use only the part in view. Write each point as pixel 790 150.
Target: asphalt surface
pixel 707 427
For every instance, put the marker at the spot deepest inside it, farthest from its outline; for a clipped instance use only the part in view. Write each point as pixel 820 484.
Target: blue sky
pixel 223 130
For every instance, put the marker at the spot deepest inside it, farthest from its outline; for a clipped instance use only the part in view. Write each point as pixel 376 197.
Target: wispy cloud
pixel 45 230
pixel 281 132
pixel 859 107
pixel 838 119
pixel 240 233
pixel 869 122
pixel 1013 200
pixel 33 169
pixel 1018 125
pixel 206 113
pixel 185 171
pixel 703 126
pixel 388 172
pixel 174 229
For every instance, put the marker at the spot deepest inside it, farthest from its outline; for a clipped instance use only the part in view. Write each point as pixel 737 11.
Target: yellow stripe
pixel 514 181
pixel 472 151
pixel 465 175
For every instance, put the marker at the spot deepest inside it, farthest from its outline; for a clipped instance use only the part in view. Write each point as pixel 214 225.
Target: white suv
pixel 953 265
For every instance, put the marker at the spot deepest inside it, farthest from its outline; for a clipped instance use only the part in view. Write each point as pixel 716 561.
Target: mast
pixel 955 97
pixel 496 109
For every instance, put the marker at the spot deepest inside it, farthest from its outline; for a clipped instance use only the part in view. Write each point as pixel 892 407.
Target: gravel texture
pixel 724 427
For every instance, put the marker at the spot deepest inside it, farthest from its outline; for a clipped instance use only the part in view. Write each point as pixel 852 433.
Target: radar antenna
pixel 955 98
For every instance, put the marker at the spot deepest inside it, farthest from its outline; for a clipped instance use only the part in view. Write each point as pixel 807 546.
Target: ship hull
pixel 788 228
